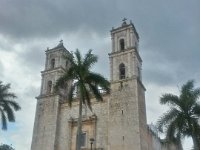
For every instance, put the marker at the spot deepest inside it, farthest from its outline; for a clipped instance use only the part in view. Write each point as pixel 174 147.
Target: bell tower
pixel 48 102
pixel 127 112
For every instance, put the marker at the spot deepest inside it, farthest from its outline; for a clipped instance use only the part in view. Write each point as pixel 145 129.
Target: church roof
pixel 59 46
pixel 125 25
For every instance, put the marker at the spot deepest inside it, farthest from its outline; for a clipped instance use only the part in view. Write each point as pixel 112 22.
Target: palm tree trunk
pixel 195 142
pixel 194 136
pixel 79 128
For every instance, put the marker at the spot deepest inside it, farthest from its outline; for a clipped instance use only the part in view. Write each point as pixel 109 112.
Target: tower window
pixel 49 87
pixel 52 63
pixel 122 71
pixel 122 44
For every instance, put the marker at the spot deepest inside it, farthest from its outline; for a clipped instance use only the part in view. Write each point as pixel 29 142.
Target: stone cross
pixel 124 20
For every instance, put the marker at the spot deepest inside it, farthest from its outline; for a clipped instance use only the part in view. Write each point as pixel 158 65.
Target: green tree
pixel 6 147
pixel 181 120
pixel 85 82
pixel 7 105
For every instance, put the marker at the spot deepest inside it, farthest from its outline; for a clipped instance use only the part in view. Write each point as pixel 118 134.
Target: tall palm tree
pixel 85 82
pixel 7 105
pixel 182 118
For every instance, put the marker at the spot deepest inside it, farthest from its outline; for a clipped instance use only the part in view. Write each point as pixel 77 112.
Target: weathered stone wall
pixel 44 134
pixel 94 128
pixel 124 133
pixel 142 115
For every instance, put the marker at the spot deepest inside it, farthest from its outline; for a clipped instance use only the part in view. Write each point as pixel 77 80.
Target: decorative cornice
pixel 60 68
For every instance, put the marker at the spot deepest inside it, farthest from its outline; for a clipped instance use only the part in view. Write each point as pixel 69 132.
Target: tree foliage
pixel 7 105
pixel 6 147
pixel 181 120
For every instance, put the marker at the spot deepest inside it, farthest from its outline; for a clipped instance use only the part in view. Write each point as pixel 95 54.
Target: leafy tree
pixel 182 118
pixel 6 147
pixel 7 105
pixel 85 82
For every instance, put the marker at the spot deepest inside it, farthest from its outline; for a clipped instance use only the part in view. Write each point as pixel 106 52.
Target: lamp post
pixel 91 142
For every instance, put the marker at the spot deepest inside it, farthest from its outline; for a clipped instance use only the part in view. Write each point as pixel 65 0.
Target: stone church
pixel 116 123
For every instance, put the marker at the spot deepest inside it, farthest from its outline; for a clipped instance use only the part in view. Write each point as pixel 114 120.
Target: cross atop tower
pixel 124 20
pixel 61 41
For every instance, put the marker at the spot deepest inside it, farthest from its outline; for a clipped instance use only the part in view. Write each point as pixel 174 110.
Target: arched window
pixel 122 44
pixel 122 72
pixel 52 63
pixel 49 86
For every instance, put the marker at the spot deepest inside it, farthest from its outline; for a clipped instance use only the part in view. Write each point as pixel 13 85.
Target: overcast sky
pixel 169 46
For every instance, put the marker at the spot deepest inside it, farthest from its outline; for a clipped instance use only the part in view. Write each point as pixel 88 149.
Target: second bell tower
pixel 127 113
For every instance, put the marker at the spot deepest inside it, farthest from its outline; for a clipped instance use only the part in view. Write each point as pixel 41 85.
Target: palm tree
pixel 7 105
pixel 5 147
pixel 182 118
pixel 85 82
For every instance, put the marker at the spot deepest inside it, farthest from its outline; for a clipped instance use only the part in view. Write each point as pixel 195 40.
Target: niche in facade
pixel 122 44
pixel 52 63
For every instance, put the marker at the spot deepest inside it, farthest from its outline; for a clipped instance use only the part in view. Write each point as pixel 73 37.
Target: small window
pixel 83 140
pixel 52 63
pixel 122 44
pixel 122 71
pixel 49 87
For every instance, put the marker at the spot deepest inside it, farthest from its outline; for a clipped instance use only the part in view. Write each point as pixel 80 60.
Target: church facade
pixel 116 123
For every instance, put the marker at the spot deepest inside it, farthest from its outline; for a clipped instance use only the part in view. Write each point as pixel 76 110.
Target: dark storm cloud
pixel 49 18
pixel 173 33
pixel 33 57
pixel 170 28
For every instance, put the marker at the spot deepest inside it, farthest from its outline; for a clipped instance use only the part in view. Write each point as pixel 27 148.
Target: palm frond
pixel 171 131
pixel 196 93
pixel 78 57
pixel 70 58
pixel 4 88
pixel 170 99
pixel 187 87
pixel 9 112
pixel 196 110
pixel 61 82
pixel 8 95
pixel 89 59
pixel 167 118
pixel 3 120
pixel 96 92
pixel 99 80
pixel 13 104
pixel 7 105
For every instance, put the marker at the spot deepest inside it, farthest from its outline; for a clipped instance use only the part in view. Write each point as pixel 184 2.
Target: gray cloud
pixel 51 18
pixel 34 57
pixel 169 37
pixel 1 70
